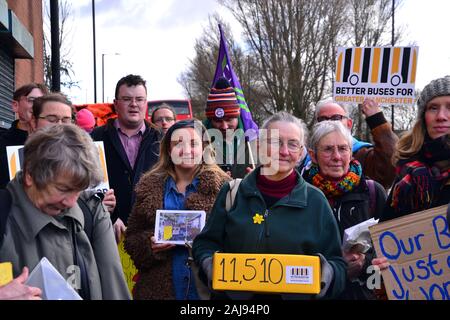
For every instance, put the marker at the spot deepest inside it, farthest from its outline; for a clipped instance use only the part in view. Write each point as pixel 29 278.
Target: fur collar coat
pixel 154 280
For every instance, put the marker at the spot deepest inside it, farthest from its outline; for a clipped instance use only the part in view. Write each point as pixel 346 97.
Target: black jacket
pixel 123 178
pixel 354 207
pixel 12 137
pixel 349 210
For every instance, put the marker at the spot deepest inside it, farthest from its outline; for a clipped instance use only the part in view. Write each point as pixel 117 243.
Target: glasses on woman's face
pixel 292 145
pixel 164 119
pixel 328 151
pixel 55 119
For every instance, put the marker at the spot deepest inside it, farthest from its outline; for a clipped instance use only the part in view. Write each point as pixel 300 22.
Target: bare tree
pixel 293 44
pixel 65 34
pixel 290 57
pixel 370 23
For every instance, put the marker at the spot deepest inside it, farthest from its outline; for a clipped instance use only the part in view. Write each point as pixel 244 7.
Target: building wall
pixel 29 12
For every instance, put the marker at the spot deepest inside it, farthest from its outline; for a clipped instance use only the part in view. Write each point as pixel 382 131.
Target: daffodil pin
pixel 258 218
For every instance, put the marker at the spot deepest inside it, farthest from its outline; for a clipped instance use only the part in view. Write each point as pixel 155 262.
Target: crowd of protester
pixel 294 191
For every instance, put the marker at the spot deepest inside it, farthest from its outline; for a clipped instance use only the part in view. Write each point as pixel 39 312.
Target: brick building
pixel 21 50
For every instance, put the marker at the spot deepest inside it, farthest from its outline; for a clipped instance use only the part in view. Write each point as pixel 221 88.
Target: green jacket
pixel 31 235
pixel 300 223
pixel 240 160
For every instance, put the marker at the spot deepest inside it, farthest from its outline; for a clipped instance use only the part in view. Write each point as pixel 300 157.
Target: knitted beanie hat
pixel 436 88
pixel 85 120
pixel 222 101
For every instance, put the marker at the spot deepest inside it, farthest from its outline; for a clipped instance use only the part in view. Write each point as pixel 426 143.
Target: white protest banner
pixel 385 74
pixel 418 249
pixel 104 185
pixel 15 161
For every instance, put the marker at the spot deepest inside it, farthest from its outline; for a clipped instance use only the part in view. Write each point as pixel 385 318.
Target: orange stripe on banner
pixel 414 66
pixel 103 164
pixel 339 68
pixel 357 60
pixel 12 165
pixel 396 62
pixel 375 65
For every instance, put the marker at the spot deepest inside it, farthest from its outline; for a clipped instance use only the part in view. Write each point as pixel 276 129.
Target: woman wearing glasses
pixel 275 212
pixel 375 158
pixel 352 197
pixel 164 116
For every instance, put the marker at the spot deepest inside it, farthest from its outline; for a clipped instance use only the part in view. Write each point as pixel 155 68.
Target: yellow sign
pixel 6 273
pixel 385 74
pixel 168 232
pixel 129 269
pixel 283 273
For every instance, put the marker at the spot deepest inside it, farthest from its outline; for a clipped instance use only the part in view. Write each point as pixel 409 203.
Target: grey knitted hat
pixel 436 88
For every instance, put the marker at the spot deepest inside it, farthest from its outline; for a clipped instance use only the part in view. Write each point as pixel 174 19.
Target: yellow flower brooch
pixel 257 218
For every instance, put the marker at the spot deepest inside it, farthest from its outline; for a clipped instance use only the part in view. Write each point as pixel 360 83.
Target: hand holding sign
pixel 381 263
pixel 370 107
pixel 158 247
pixel 109 200
pixel 17 290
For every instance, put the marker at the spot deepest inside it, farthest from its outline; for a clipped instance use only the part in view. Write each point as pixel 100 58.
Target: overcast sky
pixel 156 39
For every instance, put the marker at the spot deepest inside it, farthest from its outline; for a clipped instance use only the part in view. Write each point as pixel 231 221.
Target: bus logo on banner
pixel 386 74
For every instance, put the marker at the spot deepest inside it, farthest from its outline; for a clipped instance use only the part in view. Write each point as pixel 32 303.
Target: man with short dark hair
pixel 22 105
pixel 131 145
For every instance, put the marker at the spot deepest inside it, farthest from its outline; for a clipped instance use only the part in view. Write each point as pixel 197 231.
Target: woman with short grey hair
pixel 62 150
pixel 352 196
pixel 44 219
pixel 275 212
pixel 327 127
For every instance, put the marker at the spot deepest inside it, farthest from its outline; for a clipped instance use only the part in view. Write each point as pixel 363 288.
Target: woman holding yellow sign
pixel 185 178
pixel 275 212
pixel 352 196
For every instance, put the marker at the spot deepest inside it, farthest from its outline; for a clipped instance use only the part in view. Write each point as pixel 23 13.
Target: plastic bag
pixel 51 282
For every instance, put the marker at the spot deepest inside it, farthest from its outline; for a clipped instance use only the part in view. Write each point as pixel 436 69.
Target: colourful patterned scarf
pixel 420 180
pixel 335 189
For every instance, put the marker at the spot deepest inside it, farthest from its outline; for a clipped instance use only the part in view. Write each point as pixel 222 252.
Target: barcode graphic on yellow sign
pixel 299 275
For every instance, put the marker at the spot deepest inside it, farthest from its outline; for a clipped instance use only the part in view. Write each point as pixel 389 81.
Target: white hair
pixel 283 116
pixel 329 100
pixel 321 129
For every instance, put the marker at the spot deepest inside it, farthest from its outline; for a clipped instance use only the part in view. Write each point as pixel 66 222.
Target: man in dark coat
pixel 22 105
pixel 131 146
